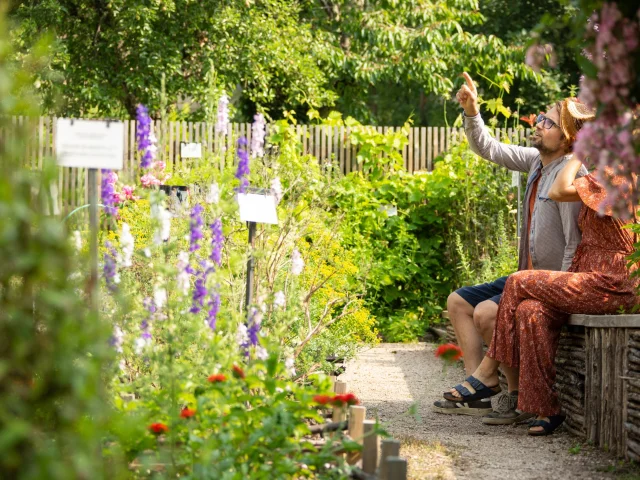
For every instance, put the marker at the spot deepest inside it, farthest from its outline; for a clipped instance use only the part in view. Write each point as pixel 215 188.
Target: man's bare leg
pixel 461 314
pixel 484 319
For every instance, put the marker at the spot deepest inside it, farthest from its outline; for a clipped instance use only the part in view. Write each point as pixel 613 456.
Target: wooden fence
pixel 327 144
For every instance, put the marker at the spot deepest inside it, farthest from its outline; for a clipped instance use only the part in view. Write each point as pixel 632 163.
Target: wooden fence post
pixel 339 413
pixel 356 430
pixel 370 447
pixel 390 448
pixel 396 468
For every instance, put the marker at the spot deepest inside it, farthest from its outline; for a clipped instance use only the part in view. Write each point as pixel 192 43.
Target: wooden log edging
pixel 369 464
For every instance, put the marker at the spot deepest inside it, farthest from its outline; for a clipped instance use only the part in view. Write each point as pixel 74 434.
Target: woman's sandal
pixel 547 427
pixel 481 391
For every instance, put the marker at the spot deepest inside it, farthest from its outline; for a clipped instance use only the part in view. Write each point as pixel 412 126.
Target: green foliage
pixel 112 55
pixel 273 56
pixel 413 260
pixel 53 409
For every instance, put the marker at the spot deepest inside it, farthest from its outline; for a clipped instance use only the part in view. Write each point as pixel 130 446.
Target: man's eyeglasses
pixel 546 121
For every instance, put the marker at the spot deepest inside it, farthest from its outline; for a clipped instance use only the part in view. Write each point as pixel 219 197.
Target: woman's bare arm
pixel 562 189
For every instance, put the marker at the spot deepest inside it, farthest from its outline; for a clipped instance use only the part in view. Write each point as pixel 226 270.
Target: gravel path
pixel 391 377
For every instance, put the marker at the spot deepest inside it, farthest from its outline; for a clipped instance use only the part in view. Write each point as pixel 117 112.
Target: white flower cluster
pixel 276 188
pixel 127 245
pixel 258 131
pixel 163 216
pixel 213 195
pixel 297 263
pixel 222 122
pixel 183 274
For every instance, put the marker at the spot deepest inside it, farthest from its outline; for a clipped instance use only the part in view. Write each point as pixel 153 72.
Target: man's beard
pixel 536 142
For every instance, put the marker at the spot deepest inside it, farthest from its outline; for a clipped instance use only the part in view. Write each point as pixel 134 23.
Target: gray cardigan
pixel 554 234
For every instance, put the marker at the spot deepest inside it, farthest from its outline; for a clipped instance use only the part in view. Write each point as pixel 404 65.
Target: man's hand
pixel 468 97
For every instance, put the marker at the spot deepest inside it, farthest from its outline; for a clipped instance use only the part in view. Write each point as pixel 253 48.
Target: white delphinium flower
pixel 77 240
pixel 261 353
pixel 117 339
pixel 297 263
pixel 258 132
pixel 213 195
pixel 276 187
pixel 183 274
pixel 126 244
pixel 242 335
pixel 289 364
pixel 163 216
pixel 279 299
pixel 159 297
pixel 222 122
pixel 140 344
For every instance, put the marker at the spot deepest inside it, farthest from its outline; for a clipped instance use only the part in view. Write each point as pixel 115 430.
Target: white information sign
pixel 90 144
pixel 257 208
pixel 515 179
pixel 190 150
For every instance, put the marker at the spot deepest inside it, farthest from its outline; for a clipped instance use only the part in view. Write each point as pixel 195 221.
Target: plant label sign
pixel 515 179
pixel 258 208
pixel 90 144
pixel 190 150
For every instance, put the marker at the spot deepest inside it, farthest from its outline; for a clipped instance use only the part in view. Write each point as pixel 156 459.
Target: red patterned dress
pixel 536 303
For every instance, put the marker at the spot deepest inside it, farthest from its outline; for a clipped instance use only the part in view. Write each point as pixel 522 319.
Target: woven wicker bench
pixel 598 379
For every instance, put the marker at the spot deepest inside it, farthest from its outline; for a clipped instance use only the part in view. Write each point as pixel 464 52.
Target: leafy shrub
pixel 449 228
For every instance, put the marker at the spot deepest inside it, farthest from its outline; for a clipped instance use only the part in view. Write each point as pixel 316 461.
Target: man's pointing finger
pixel 470 84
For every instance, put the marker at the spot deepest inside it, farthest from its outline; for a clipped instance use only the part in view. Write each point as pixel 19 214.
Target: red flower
pixel 323 399
pixel 449 352
pixel 217 378
pixel 158 428
pixel 341 400
pixel 238 372
pixel 187 412
pixel 530 119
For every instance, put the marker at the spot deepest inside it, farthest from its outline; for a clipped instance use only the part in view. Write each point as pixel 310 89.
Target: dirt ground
pixel 391 377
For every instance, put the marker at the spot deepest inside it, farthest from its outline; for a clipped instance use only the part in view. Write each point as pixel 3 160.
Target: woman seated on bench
pixel 537 303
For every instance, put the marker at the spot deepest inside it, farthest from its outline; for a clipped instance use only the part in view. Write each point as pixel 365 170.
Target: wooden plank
pixel 605 321
pixel 443 140
pixel 423 148
pixel 590 424
pixel 429 148
pixel 625 393
pixel 389 448
pixel 605 390
pixel 370 448
pixel 619 350
pixel 356 430
pixel 436 143
pixel 409 157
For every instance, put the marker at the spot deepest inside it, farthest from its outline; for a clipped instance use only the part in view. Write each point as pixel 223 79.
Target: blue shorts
pixel 485 291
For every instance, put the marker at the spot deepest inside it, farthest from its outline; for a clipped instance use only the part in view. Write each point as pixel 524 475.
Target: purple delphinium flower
pixel 257 136
pixel 253 327
pixel 199 292
pixel 145 326
pixel 214 308
pixel 243 164
pixel 216 242
pixel 108 192
pixel 196 227
pixel 145 137
pixel 222 121
pixel 111 276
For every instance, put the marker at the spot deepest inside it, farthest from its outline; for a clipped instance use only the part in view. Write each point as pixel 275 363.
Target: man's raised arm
pixel 513 157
